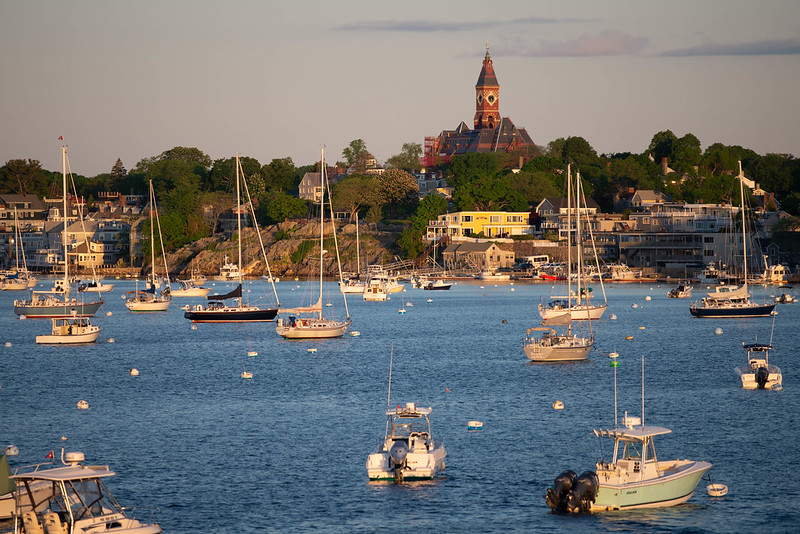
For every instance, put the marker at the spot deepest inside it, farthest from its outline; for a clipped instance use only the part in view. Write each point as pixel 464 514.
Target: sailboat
pixel 729 301
pixel 354 284
pixel 57 303
pixel 551 346
pixel 150 300
pixel 216 311
pixel 308 322
pixel 581 309
pixel 19 279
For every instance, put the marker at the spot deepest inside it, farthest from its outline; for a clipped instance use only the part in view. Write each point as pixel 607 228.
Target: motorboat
pixel 309 322
pixel 437 285
pixel 228 272
pixel 728 301
pixel 759 373
pixel 683 291
pixel 494 276
pixel 73 499
pixel 408 450
pixel 70 331
pixel 188 288
pixel 633 478
pixel 375 290
pixel 551 346
pixel 95 286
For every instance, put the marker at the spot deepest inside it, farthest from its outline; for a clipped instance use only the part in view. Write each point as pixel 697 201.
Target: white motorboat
pixel 151 299
pixel 188 288
pixel 437 285
pixel 228 272
pixel 494 276
pixel 759 373
pixel 375 290
pixel 633 478
pixel 57 302
pixel 70 331
pixel 309 323
pixel 683 291
pixel 73 499
pixel 408 450
pixel 95 286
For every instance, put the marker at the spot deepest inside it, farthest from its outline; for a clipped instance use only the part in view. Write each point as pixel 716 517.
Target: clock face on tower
pixel 491 98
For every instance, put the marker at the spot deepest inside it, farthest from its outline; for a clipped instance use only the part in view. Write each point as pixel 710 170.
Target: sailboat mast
pixel 744 234
pixel 152 237
pixel 358 248
pixel 239 226
pixel 569 247
pixel 64 238
pixel 321 220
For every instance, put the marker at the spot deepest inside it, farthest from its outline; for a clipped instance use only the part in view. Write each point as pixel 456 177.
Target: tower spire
pixel 487 95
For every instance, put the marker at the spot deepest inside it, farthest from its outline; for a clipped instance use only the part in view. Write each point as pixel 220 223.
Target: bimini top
pixel 409 410
pixel 757 347
pixel 639 433
pixel 69 472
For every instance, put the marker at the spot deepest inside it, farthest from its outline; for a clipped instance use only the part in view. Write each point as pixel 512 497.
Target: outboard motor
pixel 397 455
pixel 584 493
pixel 558 495
pixel 762 375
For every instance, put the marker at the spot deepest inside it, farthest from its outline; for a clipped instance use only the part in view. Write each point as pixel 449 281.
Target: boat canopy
pixel 757 347
pixel 409 410
pixel 633 434
pixel 236 293
pixel 63 474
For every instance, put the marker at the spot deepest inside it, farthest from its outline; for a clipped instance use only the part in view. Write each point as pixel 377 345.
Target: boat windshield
pixel 85 499
pixel 403 426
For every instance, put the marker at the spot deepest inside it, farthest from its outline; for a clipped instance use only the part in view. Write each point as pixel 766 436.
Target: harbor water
pixel 198 449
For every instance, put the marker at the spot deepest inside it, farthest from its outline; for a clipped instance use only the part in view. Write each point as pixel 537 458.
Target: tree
pixel 662 146
pixel 280 175
pixel 23 177
pixel 407 159
pixel 215 203
pixel 351 151
pixel 397 189
pixel 429 208
pixel 222 176
pixel 276 206
pixel 117 175
pixel 574 150
pixel 190 155
pixel 686 154
pixel 355 193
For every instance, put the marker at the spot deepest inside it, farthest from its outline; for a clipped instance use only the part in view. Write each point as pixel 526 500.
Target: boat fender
pixel 557 497
pixel 584 493
pixel 762 375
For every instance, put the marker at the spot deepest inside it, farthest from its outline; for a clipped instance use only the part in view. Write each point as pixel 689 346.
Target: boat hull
pixel 76 309
pixel 148 306
pixel 668 490
pixel 420 465
pixel 559 353
pixel 312 329
pixel 72 339
pixel 194 292
pixel 578 314
pixel 725 312
pixel 232 315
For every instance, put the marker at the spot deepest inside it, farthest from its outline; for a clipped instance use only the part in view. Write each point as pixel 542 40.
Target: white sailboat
pixel 150 300
pixel 19 279
pixel 577 304
pixel 56 302
pixel 544 344
pixel 308 322
pixel 354 284
pixel 217 311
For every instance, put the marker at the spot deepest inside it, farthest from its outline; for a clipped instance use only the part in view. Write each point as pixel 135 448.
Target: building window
pixel 467 218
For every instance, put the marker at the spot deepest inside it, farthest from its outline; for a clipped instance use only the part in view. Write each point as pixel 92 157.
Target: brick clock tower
pixel 487 96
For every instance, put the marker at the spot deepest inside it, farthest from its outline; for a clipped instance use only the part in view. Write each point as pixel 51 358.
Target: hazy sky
pixel 130 79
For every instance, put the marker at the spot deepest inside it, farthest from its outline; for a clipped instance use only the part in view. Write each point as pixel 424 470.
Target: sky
pixel 274 79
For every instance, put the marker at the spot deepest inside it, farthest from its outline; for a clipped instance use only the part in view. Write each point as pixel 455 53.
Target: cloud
pixel 758 48
pixel 426 26
pixel 609 43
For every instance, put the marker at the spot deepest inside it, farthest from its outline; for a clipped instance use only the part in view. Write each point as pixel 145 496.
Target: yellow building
pixel 473 223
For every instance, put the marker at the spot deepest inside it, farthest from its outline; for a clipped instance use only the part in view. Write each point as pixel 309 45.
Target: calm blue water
pixel 197 448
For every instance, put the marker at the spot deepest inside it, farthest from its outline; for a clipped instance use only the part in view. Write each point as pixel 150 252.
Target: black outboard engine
pixel 762 375
pixel 397 455
pixel 558 495
pixel 584 493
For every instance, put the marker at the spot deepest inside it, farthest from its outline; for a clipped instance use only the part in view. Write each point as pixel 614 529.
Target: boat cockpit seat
pixel 31 523
pixel 53 524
